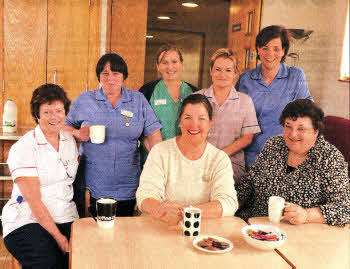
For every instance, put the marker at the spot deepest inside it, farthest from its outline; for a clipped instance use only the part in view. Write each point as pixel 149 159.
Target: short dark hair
pixel 269 33
pixel 193 99
pixel 304 108
pixel 117 64
pixel 166 48
pixel 47 93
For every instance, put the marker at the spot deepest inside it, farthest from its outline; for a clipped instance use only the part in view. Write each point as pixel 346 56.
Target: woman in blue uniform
pixel 271 85
pixel 112 169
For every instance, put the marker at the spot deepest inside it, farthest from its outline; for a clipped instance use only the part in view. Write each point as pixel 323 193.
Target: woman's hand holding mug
pixel 295 214
pixel 83 134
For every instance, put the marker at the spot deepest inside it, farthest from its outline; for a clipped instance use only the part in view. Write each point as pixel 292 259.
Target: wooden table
pixel 142 242
pixel 314 245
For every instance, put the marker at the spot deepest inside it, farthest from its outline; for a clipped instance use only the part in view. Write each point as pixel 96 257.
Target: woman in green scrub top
pixel 165 95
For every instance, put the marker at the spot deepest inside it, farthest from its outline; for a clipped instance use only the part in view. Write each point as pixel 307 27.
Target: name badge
pixel 160 102
pixel 127 113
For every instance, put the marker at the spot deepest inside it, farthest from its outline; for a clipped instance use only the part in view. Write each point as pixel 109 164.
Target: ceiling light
pixel 163 18
pixel 149 36
pixel 189 4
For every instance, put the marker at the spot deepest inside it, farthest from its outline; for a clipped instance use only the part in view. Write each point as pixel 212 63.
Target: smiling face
pixel 299 135
pixel 111 81
pixel 52 117
pixel 195 124
pixel 170 65
pixel 223 73
pixel 271 54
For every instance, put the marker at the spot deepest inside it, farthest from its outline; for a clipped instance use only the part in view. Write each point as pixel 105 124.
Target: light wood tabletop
pixel 314 245
pixel 143 242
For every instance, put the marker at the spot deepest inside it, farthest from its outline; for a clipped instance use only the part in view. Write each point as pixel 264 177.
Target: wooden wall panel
pixel 7 144
pixel 94 42
pixel 68 40
pixel 25 36
pixel 2 157
pixel 128 37
pixel 5 185
pixel 242 41
pixel 1 56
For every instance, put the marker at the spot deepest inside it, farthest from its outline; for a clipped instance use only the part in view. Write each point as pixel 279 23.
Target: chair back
pixel 337 132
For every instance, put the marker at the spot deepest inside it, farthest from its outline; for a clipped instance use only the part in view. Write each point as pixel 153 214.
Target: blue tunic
pixel 269 101
pixel 112 169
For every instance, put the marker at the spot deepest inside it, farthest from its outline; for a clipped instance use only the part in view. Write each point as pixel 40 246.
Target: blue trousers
pixel 34 247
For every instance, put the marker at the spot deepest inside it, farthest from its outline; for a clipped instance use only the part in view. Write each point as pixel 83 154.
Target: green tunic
pixel 166 109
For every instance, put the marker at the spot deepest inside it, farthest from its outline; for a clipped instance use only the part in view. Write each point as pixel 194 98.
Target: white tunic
pixel 33 156
pixel 169 175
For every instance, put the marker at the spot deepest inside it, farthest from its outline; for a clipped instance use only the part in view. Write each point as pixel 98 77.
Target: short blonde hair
pixel 225 53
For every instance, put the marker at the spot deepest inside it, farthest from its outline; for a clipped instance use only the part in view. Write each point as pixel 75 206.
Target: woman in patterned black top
pixel 301 167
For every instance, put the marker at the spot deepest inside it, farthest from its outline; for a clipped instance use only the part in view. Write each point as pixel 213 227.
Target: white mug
pixel 191 223
pixel 97 134
pixel 276 206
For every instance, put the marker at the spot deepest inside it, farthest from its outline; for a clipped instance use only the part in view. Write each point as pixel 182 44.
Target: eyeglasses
pixel 300 131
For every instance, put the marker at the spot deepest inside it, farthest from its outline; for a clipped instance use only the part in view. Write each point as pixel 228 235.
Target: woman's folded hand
pixel 169 212
pixel 295 214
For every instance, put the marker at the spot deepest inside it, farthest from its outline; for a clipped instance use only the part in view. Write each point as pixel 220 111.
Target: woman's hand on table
pixel 295 214
pixel 169 212
pixel 83 134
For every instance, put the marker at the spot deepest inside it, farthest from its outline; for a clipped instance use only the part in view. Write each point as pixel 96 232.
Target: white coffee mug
pixel 276 206
pixel 97 134
pixel 191 223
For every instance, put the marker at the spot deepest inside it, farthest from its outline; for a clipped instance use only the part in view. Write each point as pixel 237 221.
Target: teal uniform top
pixel 166 109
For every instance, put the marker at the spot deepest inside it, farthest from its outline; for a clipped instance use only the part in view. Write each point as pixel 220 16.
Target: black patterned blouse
pixel 320 181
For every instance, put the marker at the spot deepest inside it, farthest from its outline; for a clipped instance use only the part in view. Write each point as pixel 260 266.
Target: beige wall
pixel 321 54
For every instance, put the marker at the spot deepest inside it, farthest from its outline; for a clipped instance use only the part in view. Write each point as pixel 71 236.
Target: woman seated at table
pixel 187 170
pixel 234 123
pixel 43 163
pixel 303 168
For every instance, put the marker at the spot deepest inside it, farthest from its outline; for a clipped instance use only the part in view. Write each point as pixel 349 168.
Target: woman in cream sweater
pixel 187 170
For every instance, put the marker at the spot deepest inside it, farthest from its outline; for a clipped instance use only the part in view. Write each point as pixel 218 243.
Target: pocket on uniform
pixel 43 173
pixel 130 126
pixel 129 172
pixel 99 173
pixel 102 118
pixel 10 212
pixel 64 192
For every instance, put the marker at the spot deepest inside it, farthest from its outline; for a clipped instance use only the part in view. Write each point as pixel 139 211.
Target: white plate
pixel 221 239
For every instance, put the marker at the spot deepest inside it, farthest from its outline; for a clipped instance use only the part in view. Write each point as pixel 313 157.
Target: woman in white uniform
pixel 43 163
